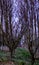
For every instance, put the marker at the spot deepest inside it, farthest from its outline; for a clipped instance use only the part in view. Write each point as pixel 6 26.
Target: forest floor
pixel 7 63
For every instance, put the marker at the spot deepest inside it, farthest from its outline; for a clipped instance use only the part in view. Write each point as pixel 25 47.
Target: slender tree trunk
pixel 33 60
pixel 11 54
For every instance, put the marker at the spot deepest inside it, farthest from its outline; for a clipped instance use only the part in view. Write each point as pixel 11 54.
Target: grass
pixel 20 56
pixel 23 56
pixel 3 56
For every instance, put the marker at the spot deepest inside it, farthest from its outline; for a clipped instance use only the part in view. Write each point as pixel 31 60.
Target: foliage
pixel 3 56
pixel 21 56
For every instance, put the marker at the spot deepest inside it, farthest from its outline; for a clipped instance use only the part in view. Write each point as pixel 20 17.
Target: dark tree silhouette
pixel 30 18
pixel 9 39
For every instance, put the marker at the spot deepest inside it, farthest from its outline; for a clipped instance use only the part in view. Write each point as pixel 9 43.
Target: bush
pixel 21 56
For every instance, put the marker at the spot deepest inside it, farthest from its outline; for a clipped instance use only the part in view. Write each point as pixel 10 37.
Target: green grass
pixel 23 56
pixel 20 56
pixel 3 56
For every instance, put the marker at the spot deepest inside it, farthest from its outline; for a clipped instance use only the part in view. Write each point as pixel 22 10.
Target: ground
pixel 7 63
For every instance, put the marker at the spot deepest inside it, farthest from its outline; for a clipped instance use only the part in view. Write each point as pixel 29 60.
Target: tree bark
pixel 11 52
pixel 33 60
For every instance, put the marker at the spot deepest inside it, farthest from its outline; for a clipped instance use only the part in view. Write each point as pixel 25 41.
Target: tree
pixel 1 10
pixel 28 21
pixel 9 39
pixel 30 17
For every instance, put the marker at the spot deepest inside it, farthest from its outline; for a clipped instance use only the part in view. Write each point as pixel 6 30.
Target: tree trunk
pixel 11 52
pixel 33 60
